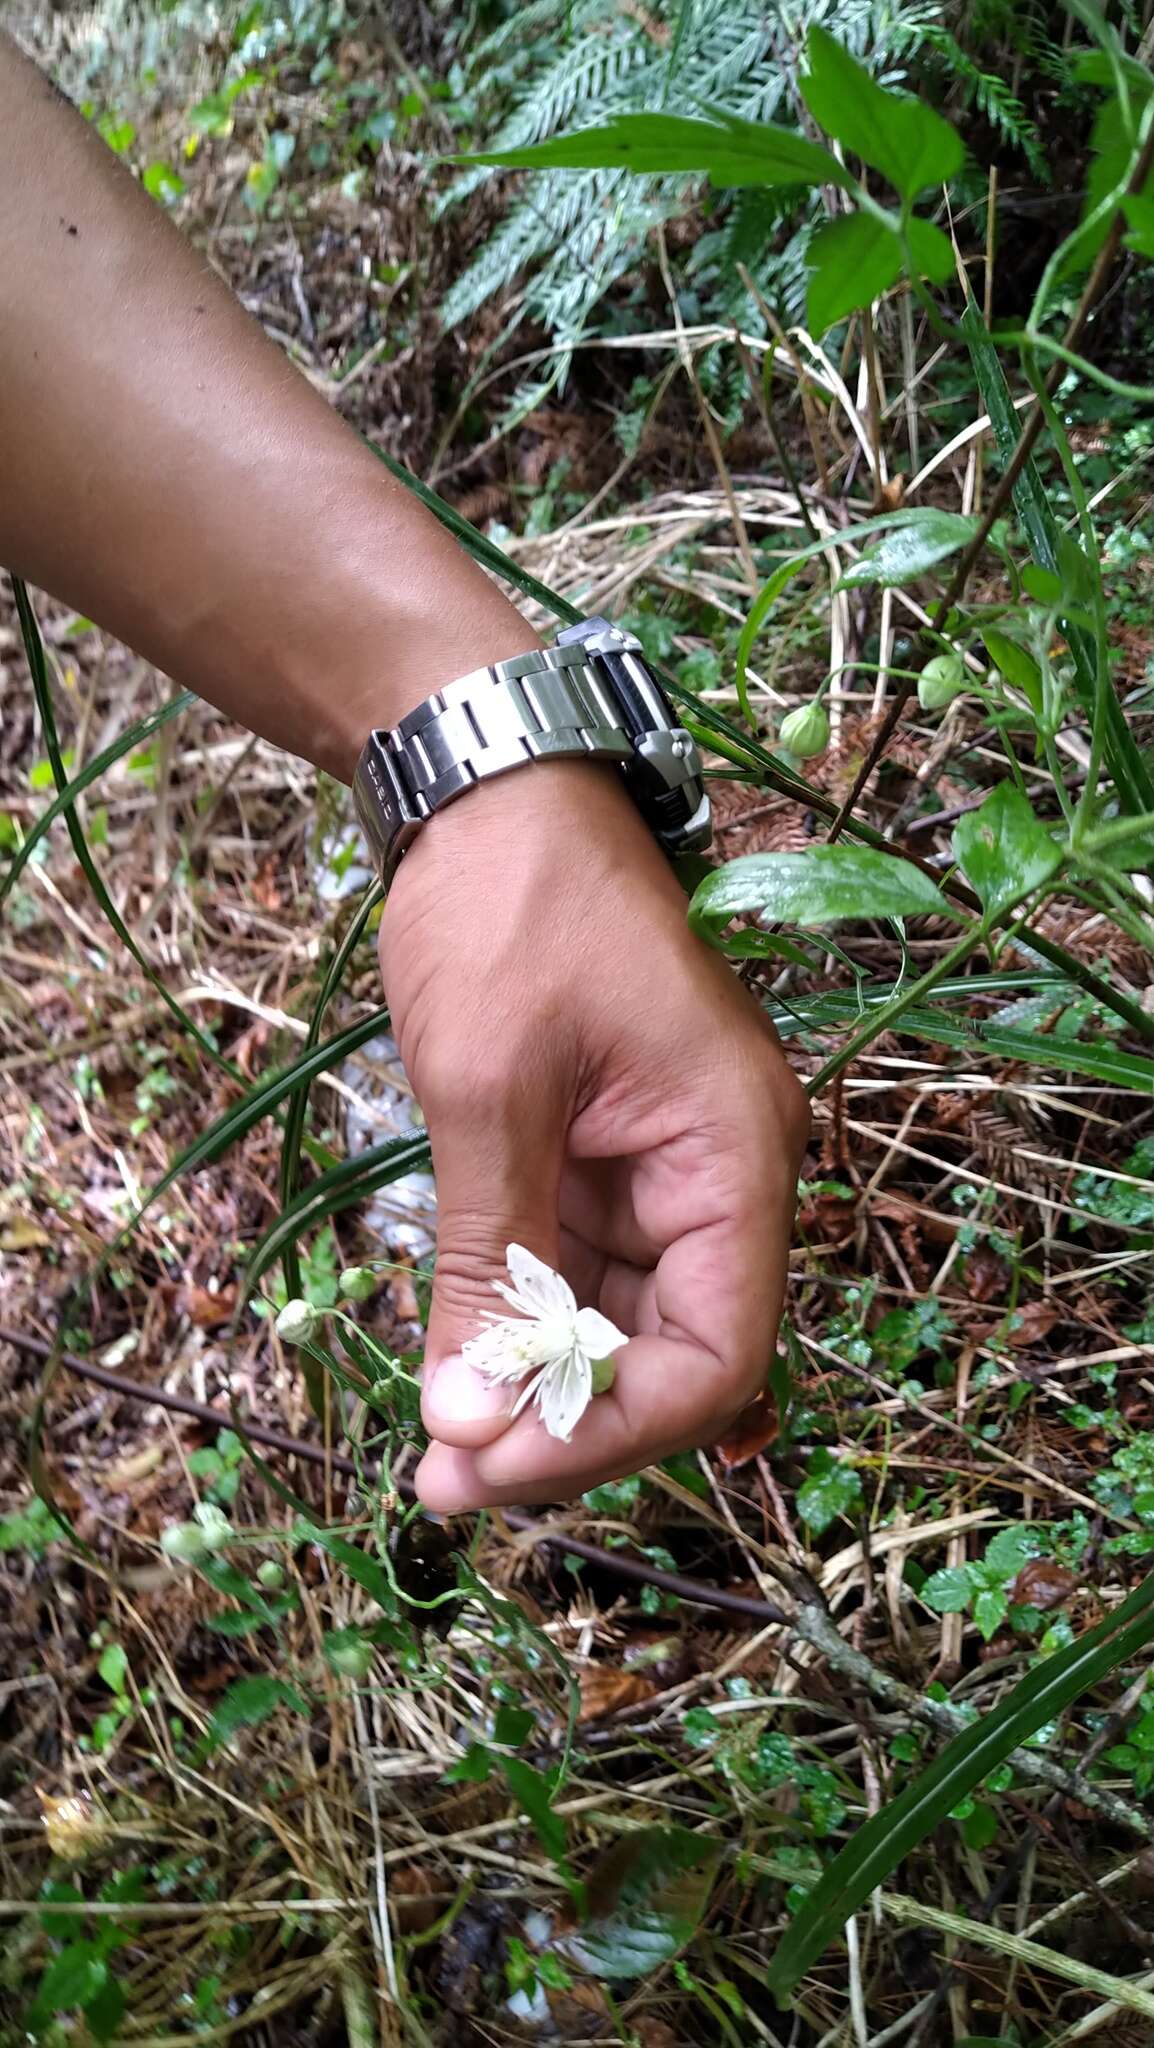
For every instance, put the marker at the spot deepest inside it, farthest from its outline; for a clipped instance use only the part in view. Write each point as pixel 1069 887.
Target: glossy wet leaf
pixel 900 136
pixel 728 150
pixel 832 1487
pixel 912 549
pixel 950 1590
pixel 889 1836
pixel 1003 850
pixel 648 1897
pixel 822 886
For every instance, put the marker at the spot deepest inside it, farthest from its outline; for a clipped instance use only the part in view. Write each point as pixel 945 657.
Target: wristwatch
pixel 591 696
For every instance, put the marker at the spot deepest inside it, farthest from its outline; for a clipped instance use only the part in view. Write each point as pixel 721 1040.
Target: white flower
pixel 559 1350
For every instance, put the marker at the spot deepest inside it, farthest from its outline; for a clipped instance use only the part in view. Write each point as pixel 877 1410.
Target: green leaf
pixel 164 183
pixel 364 1569
pixel 822 886
pixel 534 1795
pixel 831 1489
pixel 911 145
pixel 889 1836
pixel 512 1725
pixel 853 260
pixel 1003 850
pixel 1139 212
pixel 71 1979
pixel 1017 665
pixel 990 1610
pixel 728 150
pixel 113 1669
pixel 648 1897
pixel 980 1828
pixel 247 1703
pixel 104 2013
pixel 949 1591
pixel 911 550
pixel 1010 1550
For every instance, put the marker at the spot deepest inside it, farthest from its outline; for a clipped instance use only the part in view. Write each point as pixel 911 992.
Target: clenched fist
pixel 600 1088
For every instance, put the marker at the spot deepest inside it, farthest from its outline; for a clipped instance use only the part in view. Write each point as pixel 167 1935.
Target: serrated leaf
pixel 822 886
pixel 248 1702
pixel 72 1978
pixel 726 149
pixel 1010 1550
pixel 831 1488
pixel 911 550
pixel 1003 850
pixel 648 1897
pixel 950 1590
pixel 907 141
pixel 990 1610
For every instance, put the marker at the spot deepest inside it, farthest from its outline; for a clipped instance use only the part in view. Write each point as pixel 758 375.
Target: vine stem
pixel 1004 492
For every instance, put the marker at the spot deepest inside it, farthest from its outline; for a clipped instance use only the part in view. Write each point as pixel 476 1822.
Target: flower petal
pixel 596 1335
pixel 537 1290
pixel 563 1392
pixel 508 1349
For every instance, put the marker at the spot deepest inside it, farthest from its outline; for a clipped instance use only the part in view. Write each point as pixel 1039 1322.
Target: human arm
pixel 596 1084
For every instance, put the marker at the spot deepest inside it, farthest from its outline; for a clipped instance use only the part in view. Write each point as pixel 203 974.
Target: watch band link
pixel 550 704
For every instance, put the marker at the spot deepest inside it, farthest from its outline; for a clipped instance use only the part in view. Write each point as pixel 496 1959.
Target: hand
pixel 599 1087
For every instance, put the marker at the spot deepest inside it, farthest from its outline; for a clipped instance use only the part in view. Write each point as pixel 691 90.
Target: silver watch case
pixel 590 696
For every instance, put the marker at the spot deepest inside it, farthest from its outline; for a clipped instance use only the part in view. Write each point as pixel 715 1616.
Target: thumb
pixel 498 1183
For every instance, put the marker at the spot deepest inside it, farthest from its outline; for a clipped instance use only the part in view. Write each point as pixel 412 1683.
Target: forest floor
pixel 970 1346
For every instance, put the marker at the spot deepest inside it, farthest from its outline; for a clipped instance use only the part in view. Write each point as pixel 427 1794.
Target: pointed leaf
pixel 728 150
pixel 1003 850
pixel 911 550
pixel 950 1590
pixel 818 887
pixel 911 145
pixel 853 260
pixel 1017 665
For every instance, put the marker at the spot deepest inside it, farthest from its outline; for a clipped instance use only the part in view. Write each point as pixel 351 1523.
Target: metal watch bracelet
pixel 591 696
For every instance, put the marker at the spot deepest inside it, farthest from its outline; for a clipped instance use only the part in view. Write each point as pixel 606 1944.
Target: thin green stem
pixel 881 1020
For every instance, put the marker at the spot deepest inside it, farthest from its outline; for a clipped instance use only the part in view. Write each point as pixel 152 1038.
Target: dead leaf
pixel 403 1295
pixel 115 1477
pixel 1032 1322
pixel 987 1276
pixel 208 1310
pixel 605 1691
pixel 1044 1583
pixel 23 1237
pixel 829 1217
pixel 755 1427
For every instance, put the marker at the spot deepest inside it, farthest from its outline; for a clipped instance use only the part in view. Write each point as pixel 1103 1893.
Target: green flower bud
pixel 298 1322
pixel 942 679
pixel 215 1527
pixel 183 1542
pixel 270 1575
pixel 604 1373
pixel 353 1660
pixel 358 1283
pixel 806 731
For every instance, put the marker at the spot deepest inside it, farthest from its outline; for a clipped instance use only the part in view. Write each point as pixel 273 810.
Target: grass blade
pixel 126 743
pixel 881 1844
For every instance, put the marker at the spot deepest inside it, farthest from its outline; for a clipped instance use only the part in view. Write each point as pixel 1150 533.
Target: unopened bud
pixel 942 679
pixel 215 1527
pixel 298 1322
pixel 358 1283
pixel 270 1575
pixel 806 731
pixel 183 1542
pixel 603 1373
pixel 353 1660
